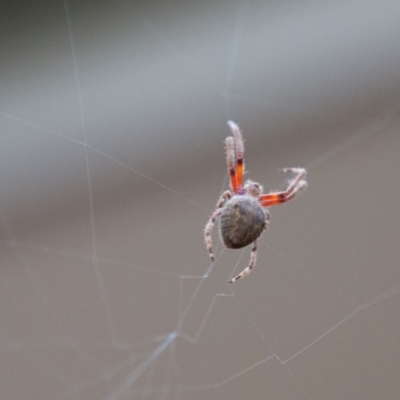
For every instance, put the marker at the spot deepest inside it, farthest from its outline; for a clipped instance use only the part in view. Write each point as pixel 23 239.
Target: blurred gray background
pixel 113 116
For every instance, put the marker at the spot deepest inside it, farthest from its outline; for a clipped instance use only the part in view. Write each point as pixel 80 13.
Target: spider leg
pixel 239 153
pixel 295 186
pixel 267 217
pixel 230 161
pixel 225 196
pixel 208 229
pixel 253 260
pixel 210 224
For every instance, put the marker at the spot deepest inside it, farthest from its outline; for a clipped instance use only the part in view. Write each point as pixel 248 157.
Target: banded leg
pixel 267 217
pixel 252 264
pixel 208 230
pixel 295 186
pixel 230 161
pixel 239 153
pixel 225 196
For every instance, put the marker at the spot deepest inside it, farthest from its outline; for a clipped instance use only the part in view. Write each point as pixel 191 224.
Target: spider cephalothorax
pixel 244 214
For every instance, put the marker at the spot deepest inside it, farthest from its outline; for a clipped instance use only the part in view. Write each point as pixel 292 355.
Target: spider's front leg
pixel 239 153
pixel 295 186
pixel 210 224
pixel 230 161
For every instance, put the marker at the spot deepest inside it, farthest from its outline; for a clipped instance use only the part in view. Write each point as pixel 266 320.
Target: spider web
pixel 113 120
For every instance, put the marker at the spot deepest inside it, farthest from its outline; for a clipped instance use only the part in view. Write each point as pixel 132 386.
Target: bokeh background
pixel 113 116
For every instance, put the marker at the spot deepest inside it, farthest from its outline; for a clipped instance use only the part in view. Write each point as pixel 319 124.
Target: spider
pixel 244 214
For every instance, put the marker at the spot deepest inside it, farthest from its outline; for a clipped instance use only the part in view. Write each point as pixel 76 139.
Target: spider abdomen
pixel 242 221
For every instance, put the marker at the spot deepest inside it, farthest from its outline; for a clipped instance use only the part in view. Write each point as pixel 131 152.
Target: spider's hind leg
pixel 252 264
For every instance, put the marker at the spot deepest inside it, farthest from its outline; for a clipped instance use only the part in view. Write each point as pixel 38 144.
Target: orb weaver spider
pixel 243 210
